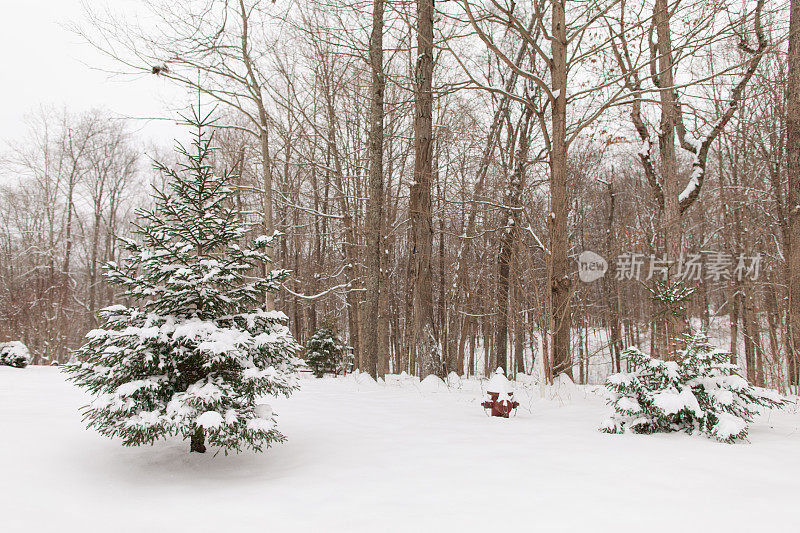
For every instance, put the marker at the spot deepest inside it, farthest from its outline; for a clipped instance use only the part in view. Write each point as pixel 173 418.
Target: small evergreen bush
pixel 696 390
pixel 325 352
pixel 14 354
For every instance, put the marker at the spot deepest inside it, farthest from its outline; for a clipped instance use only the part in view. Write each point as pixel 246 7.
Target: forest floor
pixel 399 457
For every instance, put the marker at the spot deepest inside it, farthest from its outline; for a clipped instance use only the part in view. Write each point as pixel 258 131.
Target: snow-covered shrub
pixel 325 352
pixel 696 389
pixel 432 383
pixel 197 351
pixel 14 354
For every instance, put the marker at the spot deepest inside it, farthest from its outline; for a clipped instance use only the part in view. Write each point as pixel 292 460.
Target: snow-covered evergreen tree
pixel 14 354
pixel 696 389
pixel 196 352
pixel 325 352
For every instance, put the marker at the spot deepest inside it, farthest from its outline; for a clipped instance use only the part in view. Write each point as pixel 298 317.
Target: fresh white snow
pixel 432 384
pixel 392 458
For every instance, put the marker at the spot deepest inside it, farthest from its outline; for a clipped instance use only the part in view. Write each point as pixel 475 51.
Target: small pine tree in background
pixel 325 352
pixel 14 354
pixel 197 351
pixel 695 389
pixel 671 297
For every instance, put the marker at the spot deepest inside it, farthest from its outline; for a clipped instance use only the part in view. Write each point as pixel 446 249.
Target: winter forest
pixel 418 249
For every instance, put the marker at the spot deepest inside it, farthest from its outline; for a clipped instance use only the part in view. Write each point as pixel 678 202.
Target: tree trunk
pixel 671 221
pixel 734 320
pixel 518 321
pixel 793 196
pixel 425 335
pixel 581 353
pixel 198 442
pixel 463 333
pixel 471 331
pixel 371 340
pixel 750 331
pixel 384 310
pixel 503 271
pixel 266 220
pixel 560 284
pixel 508 242
pixel 610 283
pixel 93 281
pixel 774 324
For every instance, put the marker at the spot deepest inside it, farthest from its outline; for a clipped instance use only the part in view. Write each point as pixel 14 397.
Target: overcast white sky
pixel 46 64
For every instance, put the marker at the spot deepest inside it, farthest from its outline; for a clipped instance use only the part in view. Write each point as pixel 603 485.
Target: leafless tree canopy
pixel 436 168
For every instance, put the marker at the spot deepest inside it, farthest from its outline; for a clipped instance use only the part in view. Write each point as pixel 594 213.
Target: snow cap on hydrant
pixel 498 382
pixel 499 395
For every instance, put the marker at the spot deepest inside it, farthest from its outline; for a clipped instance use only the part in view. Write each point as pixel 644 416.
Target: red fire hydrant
pixel 499 398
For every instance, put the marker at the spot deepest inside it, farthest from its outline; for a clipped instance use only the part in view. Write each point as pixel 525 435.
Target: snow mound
pixel 392 379
pixel 563 388
pixel 453 380
pixel 526 380
pixel 433 384
pixel 400 380
pixel 365 382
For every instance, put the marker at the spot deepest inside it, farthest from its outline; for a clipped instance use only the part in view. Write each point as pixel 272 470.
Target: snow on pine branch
pixel 696 390
pixel 195 352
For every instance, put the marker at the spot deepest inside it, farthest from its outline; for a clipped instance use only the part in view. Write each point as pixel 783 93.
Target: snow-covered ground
pixel 397 457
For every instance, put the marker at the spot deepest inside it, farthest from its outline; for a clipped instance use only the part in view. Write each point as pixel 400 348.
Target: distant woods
pixel 435 170
pixel 71 182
